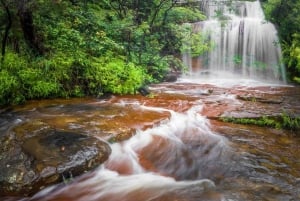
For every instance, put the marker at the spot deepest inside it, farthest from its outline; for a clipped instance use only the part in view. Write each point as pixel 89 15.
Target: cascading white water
pixel 242 41
pixel 181 150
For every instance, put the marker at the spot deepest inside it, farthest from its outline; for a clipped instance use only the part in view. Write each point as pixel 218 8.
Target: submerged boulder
pixel 31 163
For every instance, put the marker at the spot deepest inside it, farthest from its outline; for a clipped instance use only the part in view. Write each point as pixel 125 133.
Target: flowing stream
pixel 173 146
pixel 176 148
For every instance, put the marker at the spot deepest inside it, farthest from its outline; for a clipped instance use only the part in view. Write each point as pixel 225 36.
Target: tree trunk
pixel 26 21
pixel 7 28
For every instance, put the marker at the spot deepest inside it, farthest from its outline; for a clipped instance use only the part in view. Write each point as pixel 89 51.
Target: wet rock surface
pixel 267 101
pixel 244 102
pixel 30 163
pixel 44 141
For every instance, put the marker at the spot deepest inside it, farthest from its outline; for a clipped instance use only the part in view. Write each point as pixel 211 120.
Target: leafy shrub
pixel 8 87
pixel 184 14
pixel 43 89
pixel 13 62
pixel 194 43
pixel 113 75
pixel 91 47
pixel 293 59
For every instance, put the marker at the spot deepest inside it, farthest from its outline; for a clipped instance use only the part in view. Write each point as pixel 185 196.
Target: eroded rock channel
pixel 176 135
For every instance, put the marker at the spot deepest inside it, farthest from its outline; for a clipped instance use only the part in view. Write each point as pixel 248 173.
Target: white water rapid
pixel 243 43
pixel 176 148
pixel 168 162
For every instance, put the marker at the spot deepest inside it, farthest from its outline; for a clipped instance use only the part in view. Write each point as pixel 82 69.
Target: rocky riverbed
pixel 52 141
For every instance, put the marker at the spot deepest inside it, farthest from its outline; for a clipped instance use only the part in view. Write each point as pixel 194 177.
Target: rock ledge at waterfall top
pixel 30 163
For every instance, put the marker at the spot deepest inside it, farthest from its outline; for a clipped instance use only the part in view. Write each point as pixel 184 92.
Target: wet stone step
pixel 31 163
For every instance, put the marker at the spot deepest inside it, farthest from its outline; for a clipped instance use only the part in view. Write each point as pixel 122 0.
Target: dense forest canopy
pixel 84 47
pixel 73 48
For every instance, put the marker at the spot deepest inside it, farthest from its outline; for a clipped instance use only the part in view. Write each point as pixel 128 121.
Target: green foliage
pixel 80 48
pixel 194 43
pixel 34 85
pixel 289 122
pixel 14 62
pixel 221 17
pixel 10 91
pixel 284 121
pixel 259 65
pixel 113 75
pixel 43 89
pixel 285 14
pixel 8 87
pixel 263 121
pixel 237 59
pixel 182 15
pixel 293 57
pixel 21 81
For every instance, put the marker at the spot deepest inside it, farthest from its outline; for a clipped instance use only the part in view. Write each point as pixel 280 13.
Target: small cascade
pixel 166 149
pixel 242 42
pixel 185 153
pixel 171 161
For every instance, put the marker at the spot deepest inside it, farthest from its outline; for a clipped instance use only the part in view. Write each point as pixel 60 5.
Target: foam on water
pixel 228 80
pixel 125 177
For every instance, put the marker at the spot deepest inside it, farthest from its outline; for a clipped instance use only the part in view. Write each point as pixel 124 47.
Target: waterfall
pixel 242 42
